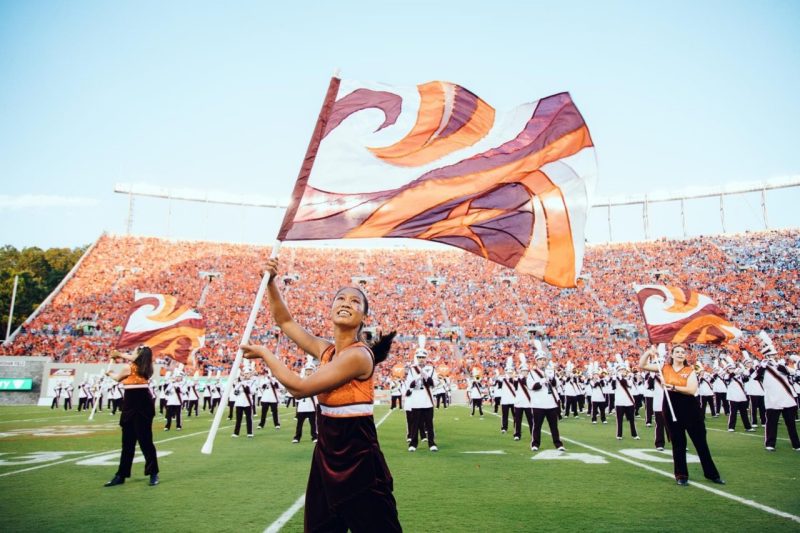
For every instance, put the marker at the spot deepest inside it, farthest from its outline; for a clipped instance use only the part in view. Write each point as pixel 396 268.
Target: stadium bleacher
pixel 471 310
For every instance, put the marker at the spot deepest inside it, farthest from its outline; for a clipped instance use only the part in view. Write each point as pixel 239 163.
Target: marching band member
pixel 440 391
pixel 420 380
pixel 572 391
pixel 720 393
pixel 216 394
pixel 706 393
pixel 545 401
pixel 270 400
pixel 174 395
pixel 83 395
pixel 624 401
pixel 57 391
pixel 475 393
pixel 598 398
pixel 503 384
pixel 737 398
pixel 193 399
pixel 648 386
pixel 755 394
pixel 306 410
pixel 497 394
pixel 779 396
pixel 396 394
pixel 681 381
pixel 115 395
pixel 244 405
pixel 523 400
pixel 659 439
pixel 67 396
pixel 638 392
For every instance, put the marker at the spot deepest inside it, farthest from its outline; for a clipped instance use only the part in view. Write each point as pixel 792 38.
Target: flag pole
pixel 288 219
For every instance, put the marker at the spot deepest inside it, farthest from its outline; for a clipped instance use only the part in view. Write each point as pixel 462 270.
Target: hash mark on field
pixel 97 454
pixel 297 505
pixel 738 499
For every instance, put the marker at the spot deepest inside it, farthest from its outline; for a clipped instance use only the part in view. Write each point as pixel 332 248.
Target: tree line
pixel 39 271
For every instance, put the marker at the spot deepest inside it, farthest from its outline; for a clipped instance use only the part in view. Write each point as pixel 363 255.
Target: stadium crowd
pixel 473 312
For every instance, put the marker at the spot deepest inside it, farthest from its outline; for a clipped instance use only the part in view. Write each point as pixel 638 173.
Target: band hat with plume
pixel 767 347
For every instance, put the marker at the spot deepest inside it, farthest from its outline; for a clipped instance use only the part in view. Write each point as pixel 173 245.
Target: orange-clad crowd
pixel 473 312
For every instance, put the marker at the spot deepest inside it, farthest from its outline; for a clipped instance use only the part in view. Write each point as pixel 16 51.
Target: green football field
pixel 53 465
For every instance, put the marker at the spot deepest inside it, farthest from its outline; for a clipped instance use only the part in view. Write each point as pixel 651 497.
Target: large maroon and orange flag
pixel 677 315
pixel 168 328
pixel 436 162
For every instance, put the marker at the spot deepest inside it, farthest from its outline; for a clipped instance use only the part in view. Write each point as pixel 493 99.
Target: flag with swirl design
pixel 167 327
pixel 677 315
pixel 436 162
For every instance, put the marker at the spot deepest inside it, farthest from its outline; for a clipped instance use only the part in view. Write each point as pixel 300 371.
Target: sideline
pixel 98 454
pixel 728 495
pixel 297 505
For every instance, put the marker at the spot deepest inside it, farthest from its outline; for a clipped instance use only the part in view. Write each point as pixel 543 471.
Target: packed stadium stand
pixel 472 311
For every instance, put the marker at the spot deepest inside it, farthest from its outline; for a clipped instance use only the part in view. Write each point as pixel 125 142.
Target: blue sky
pixel 224 96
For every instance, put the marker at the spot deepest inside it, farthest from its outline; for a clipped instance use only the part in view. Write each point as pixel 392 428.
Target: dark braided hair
pixel 382 344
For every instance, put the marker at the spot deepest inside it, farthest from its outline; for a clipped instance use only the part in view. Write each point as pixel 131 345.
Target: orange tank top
pixel 354 398
pixel 677 378
pixel 134 378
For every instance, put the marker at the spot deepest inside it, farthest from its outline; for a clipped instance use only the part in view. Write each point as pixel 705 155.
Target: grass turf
pixel 247 484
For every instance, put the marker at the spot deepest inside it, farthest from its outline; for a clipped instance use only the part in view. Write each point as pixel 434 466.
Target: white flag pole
pixel 288 218
pixel 212 433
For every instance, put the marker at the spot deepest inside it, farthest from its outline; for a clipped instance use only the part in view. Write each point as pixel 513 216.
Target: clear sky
pixel 224 96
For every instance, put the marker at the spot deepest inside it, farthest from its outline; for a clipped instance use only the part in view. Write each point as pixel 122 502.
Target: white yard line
pixel 45 418
pixel 738 499
pixel 298 504
pixel 750 434
pixel 98 454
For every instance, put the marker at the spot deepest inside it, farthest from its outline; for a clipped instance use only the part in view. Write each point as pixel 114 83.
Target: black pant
pixel 312 419
pixel 506 408
pixel 441 398
pixel 173 411
pixel 638 401
pixel 248 412
pixel 720 400
pixel 206 402
pixel 599 406
pixel 689 421
pixel 477 402
pixel 648 410
pixel 552 421
pixel 230 409
pixel 757 407
pixel 659 440
pixel 571 403
pixel 789 415
pixel 496 403
pixel 422 419
pixel 82 404
pixel 708 401
pixel 272 406
pixel 137 429
pixel 67 403
pixel 192 404
pixel 738 408
pixel 627 412
pixel 162 404
pixel 55 403
pixel 518 412
pixel 397 402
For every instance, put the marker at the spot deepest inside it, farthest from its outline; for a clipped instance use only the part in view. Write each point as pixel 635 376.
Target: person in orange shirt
pixel 350 485
pixel 680 382
pixel 136 419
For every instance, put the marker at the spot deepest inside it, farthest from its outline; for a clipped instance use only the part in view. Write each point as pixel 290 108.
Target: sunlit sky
pixel 223 96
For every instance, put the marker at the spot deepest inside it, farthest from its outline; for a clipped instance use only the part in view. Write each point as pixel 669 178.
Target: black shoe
pixel 683 482
pixel 117 480
pixel 718 481
pixel 153 480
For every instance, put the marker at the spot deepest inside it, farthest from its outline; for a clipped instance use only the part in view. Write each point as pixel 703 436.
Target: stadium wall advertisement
pixel 21 379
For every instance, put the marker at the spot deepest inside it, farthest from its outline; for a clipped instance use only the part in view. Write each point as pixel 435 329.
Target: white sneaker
pixel 516 438
pixel 249 435
pixel 770 448
pixel 235 436
pixel 731 430
pixel 660 448
pixel 295 441
pixel 412 449
pixel 502 431
pixel 278 427
pixel 594 421
pixel 619 438
pixel 637 437
pixel 562 449
pixel 434 448
pixel 534 448
pixel 751 430
pixel 605 421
